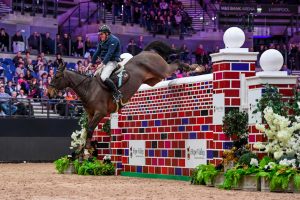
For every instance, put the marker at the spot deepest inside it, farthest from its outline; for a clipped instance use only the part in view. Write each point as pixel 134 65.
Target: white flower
pixel 283 135
pixel 297 117
pixel 270 165
pixel 260 127
pixel 278 154
pixel 298 103
pixel 254 162
pixel 259 145
pixel 288 163
pixel 107 157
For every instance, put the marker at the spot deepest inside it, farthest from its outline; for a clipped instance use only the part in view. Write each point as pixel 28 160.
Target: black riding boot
pixel 111 85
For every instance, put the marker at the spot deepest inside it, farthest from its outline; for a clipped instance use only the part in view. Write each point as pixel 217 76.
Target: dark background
pixel 35 140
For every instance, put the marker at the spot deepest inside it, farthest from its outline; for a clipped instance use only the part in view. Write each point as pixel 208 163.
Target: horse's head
pixel 58 82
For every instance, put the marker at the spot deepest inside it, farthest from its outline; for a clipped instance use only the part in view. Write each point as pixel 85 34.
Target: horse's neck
pixel 75 81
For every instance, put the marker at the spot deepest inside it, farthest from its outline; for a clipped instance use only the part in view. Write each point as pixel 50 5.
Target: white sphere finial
pixel 271 60
pixel 234 37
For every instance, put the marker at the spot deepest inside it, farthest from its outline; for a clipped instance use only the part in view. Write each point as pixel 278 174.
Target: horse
pixel 148 67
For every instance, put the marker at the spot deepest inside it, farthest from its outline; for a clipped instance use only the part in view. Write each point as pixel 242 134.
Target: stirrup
pixel 117 97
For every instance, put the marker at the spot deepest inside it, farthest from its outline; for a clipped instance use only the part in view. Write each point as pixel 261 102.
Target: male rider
pixel 109 51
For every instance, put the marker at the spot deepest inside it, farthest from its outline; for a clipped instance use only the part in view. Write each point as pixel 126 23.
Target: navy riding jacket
pixel 109 50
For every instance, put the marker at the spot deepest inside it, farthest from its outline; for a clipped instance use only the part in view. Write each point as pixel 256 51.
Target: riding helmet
pixel 104 29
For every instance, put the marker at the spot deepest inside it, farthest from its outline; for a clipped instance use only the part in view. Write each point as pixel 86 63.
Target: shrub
pixel 62 164
pixel 204 175
pixel 245 159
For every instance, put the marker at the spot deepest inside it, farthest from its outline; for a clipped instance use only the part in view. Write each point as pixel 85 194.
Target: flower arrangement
pixel 283 137
pixel 235 126
pixel 79 136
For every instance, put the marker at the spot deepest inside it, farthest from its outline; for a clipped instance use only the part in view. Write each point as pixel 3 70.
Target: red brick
pixel 224 84
pixel 215 67
pixel 219 76
pixel 224 66
pixel 164 170
pixel 231 75
pixel 219 145
pixel 235 102
pixel 232 93
pixel 181 163
pixel 174 162
pixel 235 84
pixel 252 66
pixel 145 169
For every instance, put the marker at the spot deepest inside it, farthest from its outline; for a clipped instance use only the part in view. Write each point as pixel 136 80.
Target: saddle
pixel 119 76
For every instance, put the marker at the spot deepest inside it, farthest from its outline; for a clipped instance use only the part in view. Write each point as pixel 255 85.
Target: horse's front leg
pixel 92 124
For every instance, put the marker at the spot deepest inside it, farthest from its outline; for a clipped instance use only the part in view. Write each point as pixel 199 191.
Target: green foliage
pixel 204 175
pixel 87 167
pixel 232 178
pixel 62 164
pixel 297 181
pixel 106 127
pixel 83 121
pixel 245 159
pixel 281 178
pixel 234 175
pixel 272 98
pixel 265 161
pixel 294 106
pixel 95 167
pixel 235 123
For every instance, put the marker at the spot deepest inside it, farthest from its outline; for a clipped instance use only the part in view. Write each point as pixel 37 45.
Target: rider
pixel 109 50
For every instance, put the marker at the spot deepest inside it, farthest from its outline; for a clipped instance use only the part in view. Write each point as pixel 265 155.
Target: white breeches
pixel 107 70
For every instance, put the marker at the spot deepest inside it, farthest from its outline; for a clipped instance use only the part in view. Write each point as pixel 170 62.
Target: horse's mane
pixel 75 72
pixel 161 48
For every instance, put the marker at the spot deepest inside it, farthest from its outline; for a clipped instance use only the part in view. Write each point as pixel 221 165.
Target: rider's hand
pixel 90 66
pixel 99 66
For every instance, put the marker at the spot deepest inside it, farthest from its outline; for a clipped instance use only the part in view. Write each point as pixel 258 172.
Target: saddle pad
pixel 115 78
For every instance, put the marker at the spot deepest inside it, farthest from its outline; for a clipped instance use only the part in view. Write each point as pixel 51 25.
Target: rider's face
pixel 103 36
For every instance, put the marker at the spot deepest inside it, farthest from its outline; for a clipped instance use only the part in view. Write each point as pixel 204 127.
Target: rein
pixel 75 87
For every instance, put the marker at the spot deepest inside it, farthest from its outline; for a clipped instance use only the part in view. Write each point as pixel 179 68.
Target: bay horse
pixel 148 67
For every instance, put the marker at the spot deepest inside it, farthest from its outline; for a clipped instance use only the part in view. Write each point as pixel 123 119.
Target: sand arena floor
pixel 41 182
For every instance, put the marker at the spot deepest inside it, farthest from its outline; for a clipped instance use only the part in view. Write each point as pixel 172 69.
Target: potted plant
pixel 64 165
pixel 204 175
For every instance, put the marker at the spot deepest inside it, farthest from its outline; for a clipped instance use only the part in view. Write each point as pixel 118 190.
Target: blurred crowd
pixel 158 16
pixel 290 52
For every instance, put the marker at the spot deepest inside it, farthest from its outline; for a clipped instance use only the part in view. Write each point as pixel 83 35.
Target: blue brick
pixel 178 171
pixel 157 122
pixel 185 121
pixel 202 87
pixel 119 165
pixel 206 83
pixel 181 128
pixel 204 127
pixel 193 135
pixel 139 169
pixel 240 66
pixel 164 153
pixel 126 152
pixel 145 123
pixel 227 145
pixel 210 154
pixel 151 153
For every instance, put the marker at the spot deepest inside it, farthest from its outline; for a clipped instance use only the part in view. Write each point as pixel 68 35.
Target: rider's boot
pixel 116 93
